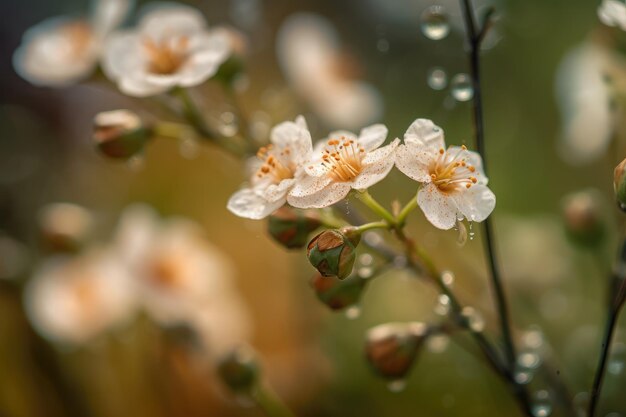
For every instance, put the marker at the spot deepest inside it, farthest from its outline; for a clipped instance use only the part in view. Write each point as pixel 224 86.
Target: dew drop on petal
pixel 437 78
pixel 397 385
pixel 434 23
pixel 353 312
pixel 461 87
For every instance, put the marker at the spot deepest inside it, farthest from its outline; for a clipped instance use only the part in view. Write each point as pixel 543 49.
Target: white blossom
pixel 613 13
pixel 454 185
pixel 278 168
pixel 309 52
pixel 61 50
pixel 172 47
pixel 73 300
pixel 341 163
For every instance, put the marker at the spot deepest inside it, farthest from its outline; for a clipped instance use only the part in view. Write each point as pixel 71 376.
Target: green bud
pixel 584 216
pixel 336 293
pixel 119 134
pixel 619 184
pixel 391 348
pixel 239 370
pixel 333 252
pixel 291 227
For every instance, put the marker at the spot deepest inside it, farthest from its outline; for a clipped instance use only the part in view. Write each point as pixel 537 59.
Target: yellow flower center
pixel 277 166
pixel 343 158
pixel 452 172
pixel 166 56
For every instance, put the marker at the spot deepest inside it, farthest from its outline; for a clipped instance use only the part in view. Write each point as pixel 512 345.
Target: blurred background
pixel 314 357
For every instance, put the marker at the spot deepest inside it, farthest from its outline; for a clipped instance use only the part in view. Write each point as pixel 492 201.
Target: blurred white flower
pixel 65 225
pixel 171 47
pixel 308 49
pixel 341 163
pixel 72 300
pixel 613 13
pixel 281 165
pixel 179 276
pixel 454 185
pixel 60 51
pixel 584 98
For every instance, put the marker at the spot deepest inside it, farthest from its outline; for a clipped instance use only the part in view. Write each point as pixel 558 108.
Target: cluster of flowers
pixel 292 170
pixel 171 47
pixel 166 269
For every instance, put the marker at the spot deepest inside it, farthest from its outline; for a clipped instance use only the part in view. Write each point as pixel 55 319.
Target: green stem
pixel 173 130
pixel 406 210
pixel 270 403
pixel 375 206
pixel 373 225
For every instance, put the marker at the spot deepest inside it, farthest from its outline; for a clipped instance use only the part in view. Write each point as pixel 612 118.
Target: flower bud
pixel 291 227
pixel 65 227
pixel 619 184
pixel 584 217
pixel 333 252
pixel 119 134
pixel 336 293
pixel 391 348
pixel 239 369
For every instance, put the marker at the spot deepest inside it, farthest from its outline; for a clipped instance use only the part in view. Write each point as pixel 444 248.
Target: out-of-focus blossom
pixel 341 163
pixel 584 97
pixel 62 50
pixel 65 226
pixel 613 13
pixel 454 185
pixel 72 300
pixel 171 47
pixel 585 217
pixel 180 277
pixel 281 165
pixel 308 49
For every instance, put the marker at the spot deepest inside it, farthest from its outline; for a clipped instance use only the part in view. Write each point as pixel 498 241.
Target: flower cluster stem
pixel 598 379
pixel 375 206
pixel 475 37
pixel 270 402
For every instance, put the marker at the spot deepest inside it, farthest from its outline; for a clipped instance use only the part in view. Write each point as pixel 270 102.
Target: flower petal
pixel 425 132
pixel 296 137
pixel 309 185
pixel 386 152
pixel 210 50
pixel 414 161
pixel 328 196
pixel 249 203
pixel 109 14
pixel 161 19
pixel 476 203
pixel 439 208
pixel 373 173
pixel 373 136
pixel 276 192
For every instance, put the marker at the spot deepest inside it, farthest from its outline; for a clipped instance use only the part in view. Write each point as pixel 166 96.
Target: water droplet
pixel 448 278
pixel 533 338
pixel 461 87
pixel 437 78
pixel 616 360
pixel 353 312
pixel 347 206
pixel 529 360
pixel 471 232
pixel 434 22
pixel 397 385
pixel 366 259
pixel 188 148
pixel 523 377
pixel 382 45
pixel 228 124
pixel 372 238
pixel 365 272
pixel 473 319
pixel 461 239
pixel 443 305
pixel 438 343
pixel 542 406
pixel 136 163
